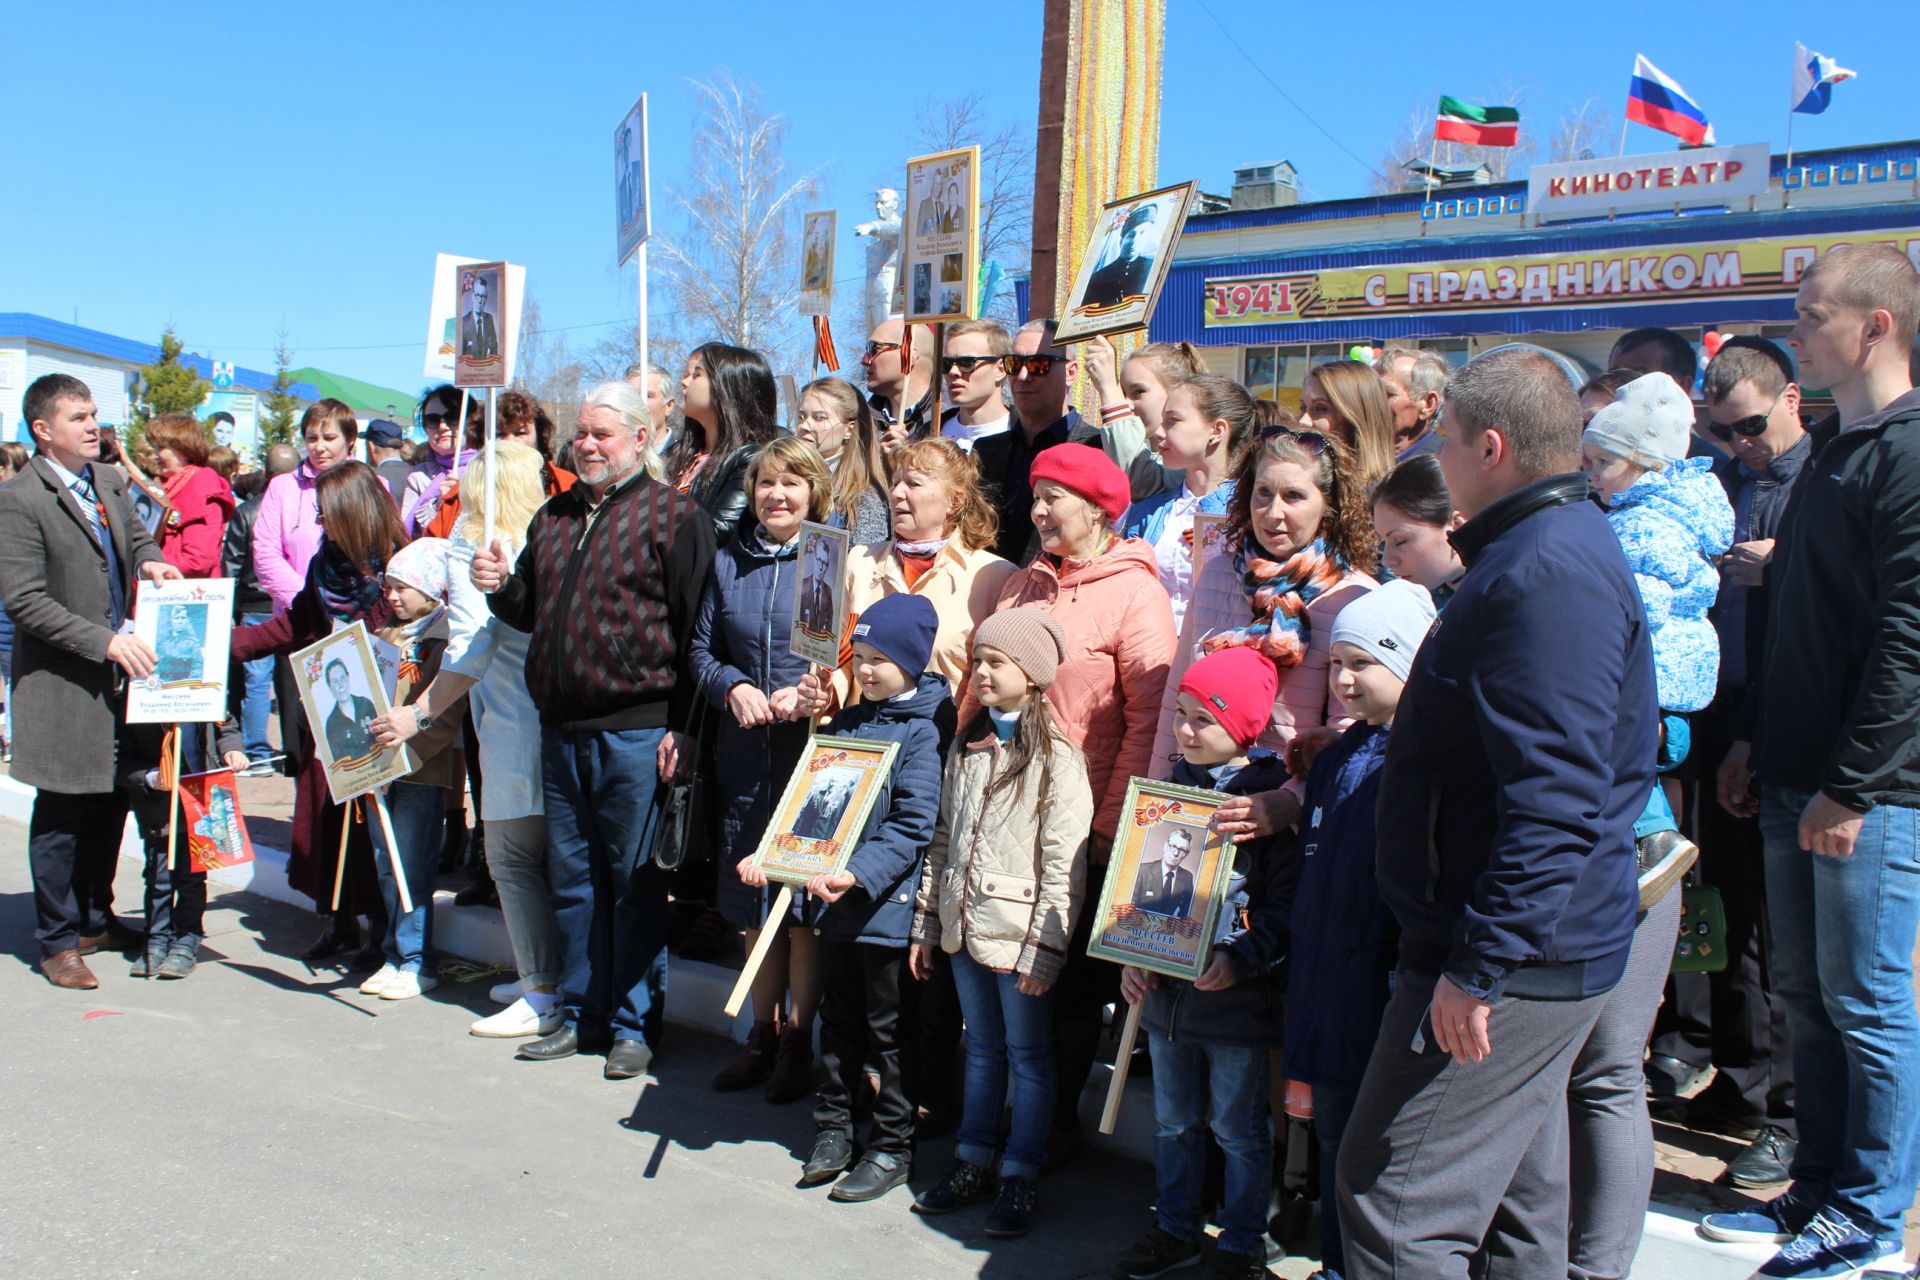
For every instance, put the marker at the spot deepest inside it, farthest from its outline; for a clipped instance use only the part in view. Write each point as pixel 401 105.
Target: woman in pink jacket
pixel 1105 592
pixel 1299 548
pixel 287 531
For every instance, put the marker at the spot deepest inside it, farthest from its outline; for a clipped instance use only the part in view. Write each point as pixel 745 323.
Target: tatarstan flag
pixel 1482 126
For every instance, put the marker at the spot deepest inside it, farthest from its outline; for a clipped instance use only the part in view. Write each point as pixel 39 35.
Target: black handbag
pixel 684 810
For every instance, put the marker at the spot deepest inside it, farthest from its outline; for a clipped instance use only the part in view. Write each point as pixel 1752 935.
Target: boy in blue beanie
pixel 863 914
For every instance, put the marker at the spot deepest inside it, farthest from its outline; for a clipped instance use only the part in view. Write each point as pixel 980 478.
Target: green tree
pixel 276 424
pixel 166 386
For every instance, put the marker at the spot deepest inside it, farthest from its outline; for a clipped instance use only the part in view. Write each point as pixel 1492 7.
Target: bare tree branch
pixel 1006 174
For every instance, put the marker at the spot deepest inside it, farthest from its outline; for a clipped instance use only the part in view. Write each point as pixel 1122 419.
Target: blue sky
pixel 232 167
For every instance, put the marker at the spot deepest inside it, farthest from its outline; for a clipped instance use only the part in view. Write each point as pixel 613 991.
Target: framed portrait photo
pixel 1125 264
pixel 480 358
pixel 1166 882
pixel 820 596
pixel 940 236
pixel 1209 534
pixel 816 263
pixel 632 213
pixel 187 623
pixel 342 691
pixel 824 808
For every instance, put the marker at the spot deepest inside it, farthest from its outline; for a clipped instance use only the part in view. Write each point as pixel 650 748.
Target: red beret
pixel 1088 472
pixel 1237 686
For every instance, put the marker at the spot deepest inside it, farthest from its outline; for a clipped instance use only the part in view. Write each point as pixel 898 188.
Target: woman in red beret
pixel 1104 591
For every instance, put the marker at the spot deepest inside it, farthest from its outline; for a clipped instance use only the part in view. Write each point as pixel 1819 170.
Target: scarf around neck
pixel 1280 591
pixel 349 594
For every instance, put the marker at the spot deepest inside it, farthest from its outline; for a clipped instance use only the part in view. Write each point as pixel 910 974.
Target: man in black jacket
pixel 608 586
pixel 1754 404
pixel 1522 753
pixel 1837 758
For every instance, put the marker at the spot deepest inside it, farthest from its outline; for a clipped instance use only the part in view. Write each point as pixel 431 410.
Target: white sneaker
pixel 377 981
pixel 406 984
pixel 505 993
pixel 519 1019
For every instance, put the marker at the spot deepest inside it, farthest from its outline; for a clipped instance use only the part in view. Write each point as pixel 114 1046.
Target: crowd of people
pixel 1487 663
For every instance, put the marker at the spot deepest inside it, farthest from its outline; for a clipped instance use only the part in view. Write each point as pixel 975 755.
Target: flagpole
pixel 1623 140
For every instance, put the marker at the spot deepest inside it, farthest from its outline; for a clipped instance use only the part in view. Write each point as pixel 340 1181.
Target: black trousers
pixel 176 895
pixel 73 844
pixel 1733 1019
pixel 860 1025
pixel 1086 987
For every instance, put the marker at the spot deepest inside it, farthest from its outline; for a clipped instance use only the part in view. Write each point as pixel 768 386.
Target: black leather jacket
pixel 236 560
pixel 722 491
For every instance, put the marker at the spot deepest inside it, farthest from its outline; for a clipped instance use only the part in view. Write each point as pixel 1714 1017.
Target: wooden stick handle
pixel 173 804
pixel 393 853
pixel 1117 1087
pixel 761 945
pixel 340 867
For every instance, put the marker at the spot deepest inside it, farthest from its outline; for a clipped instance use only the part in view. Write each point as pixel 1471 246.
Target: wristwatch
pixel 421 720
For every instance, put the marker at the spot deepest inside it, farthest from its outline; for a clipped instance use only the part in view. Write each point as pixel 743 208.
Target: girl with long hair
pixel 728 407
pixel 836 420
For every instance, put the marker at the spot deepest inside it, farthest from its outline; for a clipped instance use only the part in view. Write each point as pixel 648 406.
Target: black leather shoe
pixel 342 934
pixel 627 1059
pixel 877 1173
pixel 1765 1162
pixel 563 1043
pixel 1670 1077
pixel 832 1153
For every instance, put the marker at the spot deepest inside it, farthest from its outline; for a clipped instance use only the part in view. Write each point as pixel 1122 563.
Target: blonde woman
pixel 486 661
pixel 1346 400
pixel 835 419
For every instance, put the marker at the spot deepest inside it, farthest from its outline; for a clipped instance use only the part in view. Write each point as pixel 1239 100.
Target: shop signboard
pixel 1699 177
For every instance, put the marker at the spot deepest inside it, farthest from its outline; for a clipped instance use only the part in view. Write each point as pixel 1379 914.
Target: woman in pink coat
pixel 287 531
pixel 1105 592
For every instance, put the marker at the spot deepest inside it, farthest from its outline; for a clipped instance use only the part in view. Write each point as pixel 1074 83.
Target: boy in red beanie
pixel 1210 1038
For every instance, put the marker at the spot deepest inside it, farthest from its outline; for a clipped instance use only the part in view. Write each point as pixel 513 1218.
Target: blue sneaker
pixel 1831 1248
pixel 1775 1222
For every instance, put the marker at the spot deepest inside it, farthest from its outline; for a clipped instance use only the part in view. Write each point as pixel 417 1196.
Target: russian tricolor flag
pixel 1656 100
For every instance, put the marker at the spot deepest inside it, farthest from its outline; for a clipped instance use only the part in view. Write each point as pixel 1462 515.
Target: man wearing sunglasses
pixel 1041 376
pixel 973 366
pixel 1753 403
pixel 891 386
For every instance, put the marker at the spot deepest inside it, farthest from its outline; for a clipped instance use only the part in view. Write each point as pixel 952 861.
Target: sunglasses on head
pixel 1314 442
pixel 966 364
pixel 1034 366
pixel 1754 424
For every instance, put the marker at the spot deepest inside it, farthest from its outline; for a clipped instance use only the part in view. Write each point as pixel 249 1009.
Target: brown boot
pixel 792 1077
pixel 67 969
pixel 754 1062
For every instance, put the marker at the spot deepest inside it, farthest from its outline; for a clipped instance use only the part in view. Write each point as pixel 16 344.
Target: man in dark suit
pixel 70 553
pixel 1125 274
pixel 478 338
pixel 1166 887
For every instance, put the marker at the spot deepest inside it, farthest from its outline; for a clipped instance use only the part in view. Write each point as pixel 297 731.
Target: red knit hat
pixel 1237 685
pixel 1089 473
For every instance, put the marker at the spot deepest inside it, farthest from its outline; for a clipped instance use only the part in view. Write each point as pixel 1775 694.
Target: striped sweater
pixel 610 603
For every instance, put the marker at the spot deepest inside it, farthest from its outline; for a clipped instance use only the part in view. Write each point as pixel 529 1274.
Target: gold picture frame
pixel 1125 264
pixel 940 236
pixel 824 809
pixel 1164 919
pixel 340 718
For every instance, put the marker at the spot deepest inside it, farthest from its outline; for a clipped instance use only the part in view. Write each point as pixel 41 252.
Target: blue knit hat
pixel 901 627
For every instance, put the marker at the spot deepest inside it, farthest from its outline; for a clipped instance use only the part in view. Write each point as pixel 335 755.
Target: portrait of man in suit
pixel 479 337
pixel 1128 265
pixel 827 801
pixel 1165 886
pixel 817 582
pixel 349 732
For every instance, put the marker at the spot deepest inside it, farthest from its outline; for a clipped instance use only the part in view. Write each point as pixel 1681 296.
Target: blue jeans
pixel 1186 1074
pixel 609 899
pixel 419 816
pixel 1005 1030
pixel 256 698
pixel 1332 1108
pixel 1843 935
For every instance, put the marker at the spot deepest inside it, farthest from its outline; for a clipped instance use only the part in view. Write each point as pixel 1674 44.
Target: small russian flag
pixel 1656 100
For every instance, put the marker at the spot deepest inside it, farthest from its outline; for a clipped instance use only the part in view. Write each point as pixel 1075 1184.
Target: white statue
pixel 883 255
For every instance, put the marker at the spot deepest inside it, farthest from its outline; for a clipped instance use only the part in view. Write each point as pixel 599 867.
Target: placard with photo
pixel 481 359
pixel 1209 539
pixel 940 236
pixel 824 809
pixel 1125 265
pixel 816 263
pixel 820 597
pixel 187 622
pixel 342 692
pixel 1166 882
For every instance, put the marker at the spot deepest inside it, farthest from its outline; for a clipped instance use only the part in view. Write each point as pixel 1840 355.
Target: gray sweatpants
pixel 1609 1138
pixel 1451 1172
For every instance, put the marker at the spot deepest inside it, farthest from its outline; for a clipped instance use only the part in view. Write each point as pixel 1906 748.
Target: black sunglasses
pixel 1754 424
pixel 1314 442
pixel 1035 366
pixel 875 348
pixel 967 364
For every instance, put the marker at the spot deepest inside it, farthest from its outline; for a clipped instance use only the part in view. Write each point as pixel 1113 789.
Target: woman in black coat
pixel 728 404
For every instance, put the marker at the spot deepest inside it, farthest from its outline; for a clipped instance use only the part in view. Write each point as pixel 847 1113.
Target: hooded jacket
pixel 1840 699
pixel 885 865
pixel 1252 931
pixel 1673 525
pixel 1522 753
pixel 1106 696
pixel 1006 877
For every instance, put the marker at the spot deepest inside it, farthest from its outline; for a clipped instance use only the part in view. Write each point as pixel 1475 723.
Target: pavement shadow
pixel 688 1063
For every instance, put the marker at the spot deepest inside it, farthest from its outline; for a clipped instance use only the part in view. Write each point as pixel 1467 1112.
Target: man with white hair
pixel 608 587
pixel 1416 383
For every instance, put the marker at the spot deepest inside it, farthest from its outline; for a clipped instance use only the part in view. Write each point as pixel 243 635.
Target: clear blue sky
pixel 229 167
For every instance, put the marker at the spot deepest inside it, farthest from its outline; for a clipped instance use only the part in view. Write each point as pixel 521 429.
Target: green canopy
pixel 364 398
